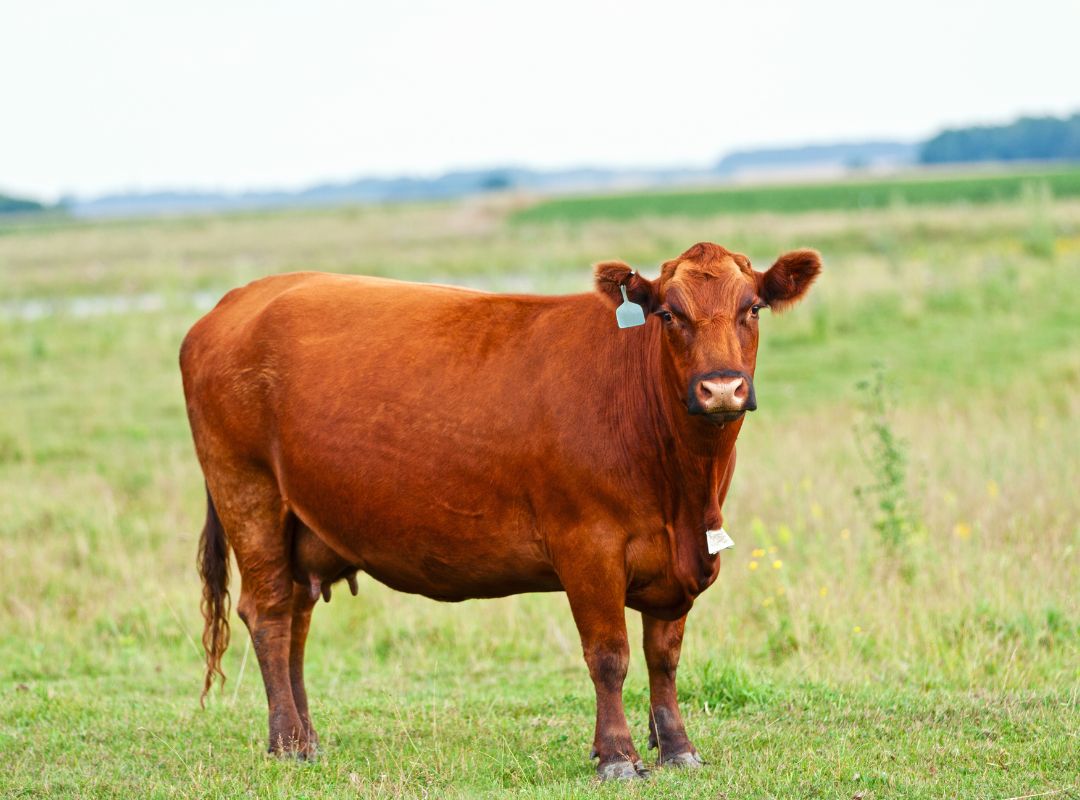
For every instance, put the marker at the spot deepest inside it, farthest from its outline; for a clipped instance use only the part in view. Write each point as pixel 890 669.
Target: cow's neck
pixel 695 463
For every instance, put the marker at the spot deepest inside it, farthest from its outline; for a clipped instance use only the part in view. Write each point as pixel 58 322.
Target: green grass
pixel 947 668
pixel 445 734
pixel 849 195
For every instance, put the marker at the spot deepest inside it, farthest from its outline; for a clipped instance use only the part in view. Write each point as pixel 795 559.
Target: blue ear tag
pixel 629 314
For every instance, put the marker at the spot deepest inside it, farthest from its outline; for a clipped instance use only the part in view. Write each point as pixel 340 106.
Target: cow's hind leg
pixel 663 643
pixel 257 526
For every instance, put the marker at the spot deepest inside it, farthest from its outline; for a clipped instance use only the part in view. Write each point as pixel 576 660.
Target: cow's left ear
pixel 610 275
pixel 788 279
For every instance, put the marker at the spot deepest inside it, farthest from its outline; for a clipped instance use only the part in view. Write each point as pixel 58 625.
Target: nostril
pixel 714 394
pixel 724 393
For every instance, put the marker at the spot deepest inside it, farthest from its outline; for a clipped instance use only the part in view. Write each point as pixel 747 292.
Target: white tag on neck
pixel 718 540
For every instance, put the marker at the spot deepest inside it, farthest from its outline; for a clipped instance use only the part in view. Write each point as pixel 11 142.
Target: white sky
pixel 229 94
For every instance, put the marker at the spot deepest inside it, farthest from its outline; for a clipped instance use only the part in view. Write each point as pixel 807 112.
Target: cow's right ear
pixel 610 275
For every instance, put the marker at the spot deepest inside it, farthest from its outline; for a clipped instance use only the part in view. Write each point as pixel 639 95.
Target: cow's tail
pixel 214 569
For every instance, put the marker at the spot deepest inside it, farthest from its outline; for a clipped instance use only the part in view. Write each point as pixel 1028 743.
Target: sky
pixel 120 95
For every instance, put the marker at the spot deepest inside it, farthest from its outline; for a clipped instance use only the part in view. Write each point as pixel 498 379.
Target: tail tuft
pixel 213 564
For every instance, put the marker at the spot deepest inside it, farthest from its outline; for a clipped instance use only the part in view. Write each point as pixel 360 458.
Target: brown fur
pixel 459 444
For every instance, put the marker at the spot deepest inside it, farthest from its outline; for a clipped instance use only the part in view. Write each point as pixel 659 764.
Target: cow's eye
pixel 665 315
pixel 754 309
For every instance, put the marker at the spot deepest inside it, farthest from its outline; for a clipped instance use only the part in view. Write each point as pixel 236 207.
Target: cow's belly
pixel 454 559
pixel 441 579
pixel 415 540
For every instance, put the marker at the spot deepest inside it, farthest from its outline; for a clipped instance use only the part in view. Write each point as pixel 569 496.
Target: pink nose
pixel 723 394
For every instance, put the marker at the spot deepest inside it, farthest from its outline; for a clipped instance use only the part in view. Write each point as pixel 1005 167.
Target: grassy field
pixel 932 188
pixel 836 656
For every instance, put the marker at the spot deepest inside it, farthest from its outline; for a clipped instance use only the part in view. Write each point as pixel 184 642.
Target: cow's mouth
pixel 721 417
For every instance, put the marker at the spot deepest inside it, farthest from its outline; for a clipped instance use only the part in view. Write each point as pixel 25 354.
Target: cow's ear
pixel 788 279
pixel 610 275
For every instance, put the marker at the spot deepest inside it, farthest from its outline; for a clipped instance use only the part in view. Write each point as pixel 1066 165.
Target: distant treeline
pixel 1027 139
pixel 17 205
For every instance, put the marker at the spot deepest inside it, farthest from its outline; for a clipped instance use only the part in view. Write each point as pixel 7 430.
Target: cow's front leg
pixel 663 643
pixel 598 604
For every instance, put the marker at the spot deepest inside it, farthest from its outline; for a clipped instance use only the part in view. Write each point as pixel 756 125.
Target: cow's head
pixel 706 302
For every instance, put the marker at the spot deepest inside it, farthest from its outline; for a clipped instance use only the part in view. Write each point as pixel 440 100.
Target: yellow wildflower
pixel 816 511
pixel 777 564
pixel 824 590
pixel 845 534
pixel 961 530
pixel 758 552
pixel 767 601
pixel 780 592
pixel 752 565
pixel 773 549
pixel 992 489
pixel 858 629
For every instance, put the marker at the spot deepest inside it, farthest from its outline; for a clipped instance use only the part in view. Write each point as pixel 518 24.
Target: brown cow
pixel 459 444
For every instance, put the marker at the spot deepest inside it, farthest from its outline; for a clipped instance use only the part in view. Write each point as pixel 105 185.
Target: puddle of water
pixel 87 306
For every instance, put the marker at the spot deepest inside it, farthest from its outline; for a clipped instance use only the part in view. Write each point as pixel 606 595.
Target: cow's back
pixel 316 345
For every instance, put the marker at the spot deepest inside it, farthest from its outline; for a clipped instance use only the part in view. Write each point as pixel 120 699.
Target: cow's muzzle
pixel 726 394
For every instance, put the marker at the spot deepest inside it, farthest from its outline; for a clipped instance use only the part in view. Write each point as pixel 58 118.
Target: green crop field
pixel 900 617
pixel 851 195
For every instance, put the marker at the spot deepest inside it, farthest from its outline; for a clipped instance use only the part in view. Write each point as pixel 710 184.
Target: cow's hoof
pixel 688 759
pixel 298 751
pixel 293 755
pixel 622 770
